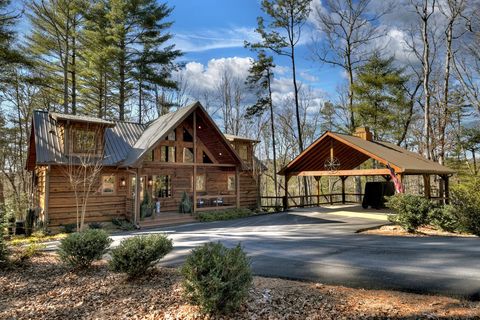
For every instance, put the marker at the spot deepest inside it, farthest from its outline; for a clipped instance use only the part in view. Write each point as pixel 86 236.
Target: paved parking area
pixel 320 244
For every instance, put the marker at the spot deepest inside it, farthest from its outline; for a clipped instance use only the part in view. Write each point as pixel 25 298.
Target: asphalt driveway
pixel 321 245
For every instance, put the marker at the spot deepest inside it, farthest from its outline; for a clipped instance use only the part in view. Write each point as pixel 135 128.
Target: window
pixel 150 156
pixel 171 136
pixel 206 159
pixel 187 137
pixel 243 151
pixel 188 155
pixel 162 186
pixel 167 154
pixel 108 184
pixel 84 141
pixel 231 186
pixel 200 184
pixel 133 186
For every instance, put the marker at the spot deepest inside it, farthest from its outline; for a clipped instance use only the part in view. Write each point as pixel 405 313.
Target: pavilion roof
pixel 352 151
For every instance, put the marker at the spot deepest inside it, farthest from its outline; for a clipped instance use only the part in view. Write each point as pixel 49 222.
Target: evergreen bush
pixel 216 278
pixel 411 211
pixel 466 201
pixel 80 249
pixel 135 255
pixel 445 218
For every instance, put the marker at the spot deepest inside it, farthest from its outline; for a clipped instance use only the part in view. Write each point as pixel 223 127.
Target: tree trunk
pixel 426 80
pixel 272 124
pixel 121 90
pixel 65 76
pixel 140 102
pixel 74 72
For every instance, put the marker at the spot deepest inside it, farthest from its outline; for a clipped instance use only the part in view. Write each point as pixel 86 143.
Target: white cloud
pixel 308 76
pixel 215 39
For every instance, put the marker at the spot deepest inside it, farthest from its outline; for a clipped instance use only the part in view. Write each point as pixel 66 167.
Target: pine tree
pixel 380 98
pixel 287 17
pixel 97 71
pixel 138 32
pixel 53 43
pixel 9 54
pixel 260 79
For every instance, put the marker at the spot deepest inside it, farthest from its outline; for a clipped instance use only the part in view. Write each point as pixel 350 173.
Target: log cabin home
pixel 180 154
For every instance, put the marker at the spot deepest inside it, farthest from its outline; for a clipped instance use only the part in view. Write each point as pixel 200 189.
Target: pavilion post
pixel 426 185
pixel 400 179
pixel 343 188
pixel 446 190
pixel 318 190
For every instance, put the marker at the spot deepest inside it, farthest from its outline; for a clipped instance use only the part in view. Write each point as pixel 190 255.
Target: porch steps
pixel 166 218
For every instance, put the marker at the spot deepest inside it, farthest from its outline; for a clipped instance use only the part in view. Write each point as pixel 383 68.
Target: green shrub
pixel 445 218
pixel 80 249
pixel 123 224
pixel 95 225
pixel 135 255
pixel 216 278
pixel 466 201
pixel 4 252
pixel 185 205
pixel 31 250
pixel 410 211
pixel 216 215
pixel 69 228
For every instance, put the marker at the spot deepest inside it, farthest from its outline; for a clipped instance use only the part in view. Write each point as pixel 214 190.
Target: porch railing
pixel 283 203
pixel 212 202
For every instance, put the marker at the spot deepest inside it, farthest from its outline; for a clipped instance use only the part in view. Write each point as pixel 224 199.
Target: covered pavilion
pixel 336 154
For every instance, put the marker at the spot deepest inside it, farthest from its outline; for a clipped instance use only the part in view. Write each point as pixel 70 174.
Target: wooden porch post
pixel 427 187
pixel 194 161
pixel 343 188
pixel 237 186
pixel 285 197
pixel 136 211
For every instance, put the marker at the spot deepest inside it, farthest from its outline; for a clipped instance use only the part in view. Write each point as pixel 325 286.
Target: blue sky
pixel 209 29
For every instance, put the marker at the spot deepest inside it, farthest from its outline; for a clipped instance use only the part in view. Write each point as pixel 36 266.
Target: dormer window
pixel 243 152
pixel 84 141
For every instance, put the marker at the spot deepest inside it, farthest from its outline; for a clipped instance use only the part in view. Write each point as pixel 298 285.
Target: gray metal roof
pixel 156 131
pixel 80 118
pixel 125 143
pixel 119 140
pixel 47 146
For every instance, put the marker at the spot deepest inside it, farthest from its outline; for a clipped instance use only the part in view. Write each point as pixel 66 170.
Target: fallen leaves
pixel 45 289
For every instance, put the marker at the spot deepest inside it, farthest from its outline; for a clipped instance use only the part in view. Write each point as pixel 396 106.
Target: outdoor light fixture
pixel 150 181
pixel 123 182
pixel 199 127
pixel 219 153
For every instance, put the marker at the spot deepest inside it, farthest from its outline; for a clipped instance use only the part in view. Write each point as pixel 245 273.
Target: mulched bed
pixel 44 289
pixel 424 231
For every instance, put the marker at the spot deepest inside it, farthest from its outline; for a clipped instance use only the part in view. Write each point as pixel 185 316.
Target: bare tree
pixel 82 172
pixel 349 28
pixel 424 10
pixel 453 11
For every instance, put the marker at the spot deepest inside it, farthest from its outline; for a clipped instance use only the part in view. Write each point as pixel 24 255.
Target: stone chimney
pixel 363 133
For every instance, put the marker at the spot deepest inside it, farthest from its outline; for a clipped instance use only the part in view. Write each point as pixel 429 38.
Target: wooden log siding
pixel 100 208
